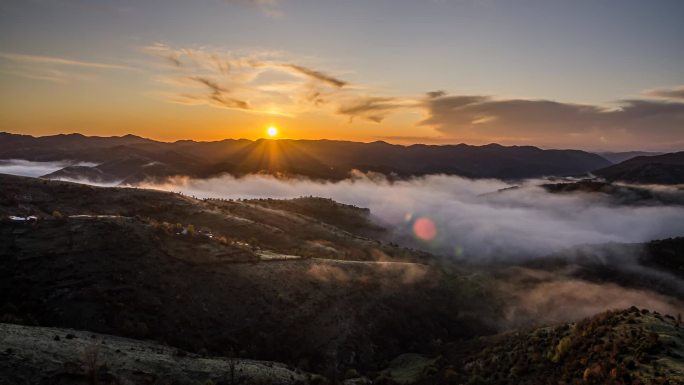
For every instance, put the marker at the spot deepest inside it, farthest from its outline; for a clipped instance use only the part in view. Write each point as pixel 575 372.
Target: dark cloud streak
pixel 317 75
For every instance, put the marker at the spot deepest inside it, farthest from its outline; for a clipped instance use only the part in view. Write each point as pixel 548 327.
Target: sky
pixel 598 75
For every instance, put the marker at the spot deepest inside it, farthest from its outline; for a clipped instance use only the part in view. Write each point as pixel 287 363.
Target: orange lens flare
pixel 425 229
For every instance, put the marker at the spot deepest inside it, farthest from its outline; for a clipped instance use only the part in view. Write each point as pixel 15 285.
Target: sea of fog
pixel 35 169
pixel 457 216
pixel 483 221
pixel 450 215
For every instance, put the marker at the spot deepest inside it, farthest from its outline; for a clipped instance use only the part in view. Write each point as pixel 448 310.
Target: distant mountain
pixel 132 159
pixel 661 169
pixel 61 147
pixel 617 157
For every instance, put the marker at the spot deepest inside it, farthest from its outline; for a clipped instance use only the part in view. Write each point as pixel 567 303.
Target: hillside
pixel 131 159
pixel 622 347
pixel 619 347
pixel 115 261
pixel 660 169
pixel 40 355
pixel 308 283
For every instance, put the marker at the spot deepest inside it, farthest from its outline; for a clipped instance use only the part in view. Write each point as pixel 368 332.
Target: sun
pixel 272 131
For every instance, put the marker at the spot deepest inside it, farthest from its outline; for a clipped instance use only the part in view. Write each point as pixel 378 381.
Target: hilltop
pixel 618 347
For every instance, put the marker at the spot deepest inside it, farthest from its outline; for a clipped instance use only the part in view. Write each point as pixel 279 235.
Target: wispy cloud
pixel 267 82
pixel 16 57
pixel 317 75
pixel 373 108
pixel 51 68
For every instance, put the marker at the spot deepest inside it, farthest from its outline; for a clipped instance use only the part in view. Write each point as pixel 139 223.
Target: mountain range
pixel 659 169
pixel 132 159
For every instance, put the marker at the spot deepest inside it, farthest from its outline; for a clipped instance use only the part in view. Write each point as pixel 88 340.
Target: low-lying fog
pixel 478 221
pixel 35 169
pixel 484 221
pixel 472 218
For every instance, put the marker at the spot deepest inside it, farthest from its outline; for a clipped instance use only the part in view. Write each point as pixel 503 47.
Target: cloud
pixel 50 68
pixel 218 94
pixel 542 122
pixel 265 82
pixel 472 218
pixel 667 93
pixel 373 108
pixel 270 82
pixel 58 61
pixel 317 75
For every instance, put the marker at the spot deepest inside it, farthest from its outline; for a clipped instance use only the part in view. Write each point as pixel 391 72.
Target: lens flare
pixel 424 228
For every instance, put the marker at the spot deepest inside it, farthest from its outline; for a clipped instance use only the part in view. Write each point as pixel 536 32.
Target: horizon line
pixel 333 140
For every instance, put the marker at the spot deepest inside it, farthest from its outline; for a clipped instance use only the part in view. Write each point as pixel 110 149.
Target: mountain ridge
pixel 315 159
pixel 659 169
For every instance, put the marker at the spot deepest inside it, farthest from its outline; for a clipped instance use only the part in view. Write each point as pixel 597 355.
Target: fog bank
pixel 471 218
pixel 35 169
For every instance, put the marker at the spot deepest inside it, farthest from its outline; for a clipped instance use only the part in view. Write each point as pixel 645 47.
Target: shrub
pixel 561 348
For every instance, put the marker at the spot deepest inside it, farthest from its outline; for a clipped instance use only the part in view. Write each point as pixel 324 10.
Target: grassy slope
pixel 133 276
pixel 617 347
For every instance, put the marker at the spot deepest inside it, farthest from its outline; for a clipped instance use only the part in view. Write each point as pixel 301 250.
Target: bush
pixel 561 348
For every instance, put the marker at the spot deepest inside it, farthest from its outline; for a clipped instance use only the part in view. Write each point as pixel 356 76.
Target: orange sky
pixel 215 70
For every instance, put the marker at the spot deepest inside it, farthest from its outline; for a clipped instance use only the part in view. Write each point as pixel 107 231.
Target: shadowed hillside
pixel 152 264
pixel 660 169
